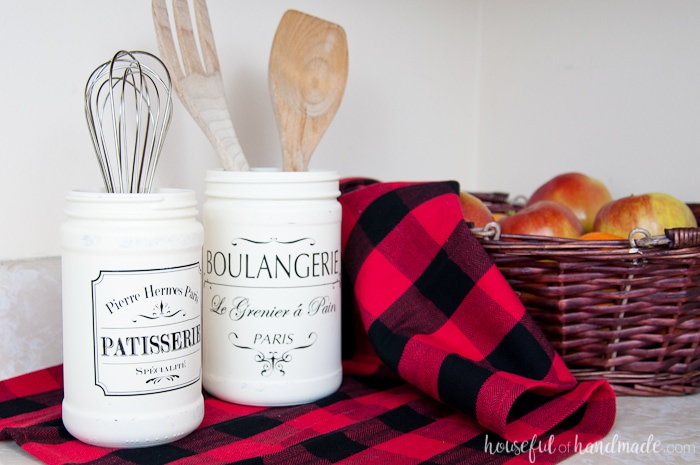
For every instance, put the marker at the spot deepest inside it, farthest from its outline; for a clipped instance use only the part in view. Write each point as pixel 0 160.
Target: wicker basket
pixel 499 202
pixel 627 312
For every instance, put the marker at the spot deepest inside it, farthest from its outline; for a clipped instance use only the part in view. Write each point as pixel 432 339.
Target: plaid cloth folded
pixel 443 364
pixel 436 310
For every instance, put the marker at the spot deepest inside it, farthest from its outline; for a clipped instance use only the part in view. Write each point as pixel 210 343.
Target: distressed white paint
pixel 30 315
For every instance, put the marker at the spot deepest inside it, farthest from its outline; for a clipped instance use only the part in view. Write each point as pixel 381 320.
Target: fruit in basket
pixel 544 218
pixel 583 195
pixel 600 236
pixel 653 212
pixel 474 210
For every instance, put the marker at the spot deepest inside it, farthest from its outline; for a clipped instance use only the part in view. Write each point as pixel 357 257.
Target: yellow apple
pixel 653 212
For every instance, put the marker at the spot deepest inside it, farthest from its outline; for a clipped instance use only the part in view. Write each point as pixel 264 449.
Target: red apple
pixel 544 218
pixel 583 195
pixel 474 210
pixel 653 212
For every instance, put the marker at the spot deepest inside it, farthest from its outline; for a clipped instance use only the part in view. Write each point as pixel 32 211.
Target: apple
pixel 544 218
pixel 583 195
pixel 653 212
pixel 474 210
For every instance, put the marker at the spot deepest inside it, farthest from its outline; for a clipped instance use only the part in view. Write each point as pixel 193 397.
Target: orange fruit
pixel 600 236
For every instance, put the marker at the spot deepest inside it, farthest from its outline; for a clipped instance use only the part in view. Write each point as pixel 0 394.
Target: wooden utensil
pixel 308 71
pixel 197 80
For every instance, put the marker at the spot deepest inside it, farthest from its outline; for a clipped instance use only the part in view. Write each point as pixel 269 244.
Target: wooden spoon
pixel 307 75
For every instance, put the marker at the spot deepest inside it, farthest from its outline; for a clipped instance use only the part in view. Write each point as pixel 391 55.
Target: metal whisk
pixel 128 106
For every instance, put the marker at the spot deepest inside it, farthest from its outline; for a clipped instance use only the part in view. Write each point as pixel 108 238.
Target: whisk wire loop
pixel 128 107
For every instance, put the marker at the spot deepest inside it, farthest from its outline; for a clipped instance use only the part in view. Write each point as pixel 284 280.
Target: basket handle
pixel 673 238
pixel 683 237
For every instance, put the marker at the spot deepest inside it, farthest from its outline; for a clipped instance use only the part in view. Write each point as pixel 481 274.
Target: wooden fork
pixel 197 80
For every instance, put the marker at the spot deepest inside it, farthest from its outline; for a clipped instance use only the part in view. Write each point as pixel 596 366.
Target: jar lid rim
pixel 270 175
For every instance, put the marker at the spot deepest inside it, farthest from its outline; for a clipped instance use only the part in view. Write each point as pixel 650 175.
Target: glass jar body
pixel 131 282
pixel 271 296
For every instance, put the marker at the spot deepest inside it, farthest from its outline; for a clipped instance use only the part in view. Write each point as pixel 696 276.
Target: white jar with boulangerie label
pixel 271 295
pixel 132 334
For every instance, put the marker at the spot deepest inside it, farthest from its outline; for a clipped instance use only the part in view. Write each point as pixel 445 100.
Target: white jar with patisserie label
pixel 132 333
pixel 271 310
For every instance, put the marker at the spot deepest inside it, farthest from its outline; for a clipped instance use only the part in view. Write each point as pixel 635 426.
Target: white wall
pixel 607 87
pixel 408 110
pixel 497 94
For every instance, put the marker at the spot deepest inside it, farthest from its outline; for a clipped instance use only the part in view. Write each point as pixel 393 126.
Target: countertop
pixel 647 430
pixel 669 425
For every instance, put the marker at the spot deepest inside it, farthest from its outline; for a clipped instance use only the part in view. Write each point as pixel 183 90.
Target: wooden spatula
pixel 307 75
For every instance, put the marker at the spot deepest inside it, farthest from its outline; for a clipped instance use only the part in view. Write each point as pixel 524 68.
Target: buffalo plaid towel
pixel 443 364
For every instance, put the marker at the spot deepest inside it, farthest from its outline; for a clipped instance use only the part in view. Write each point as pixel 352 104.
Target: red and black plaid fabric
pixel 443 364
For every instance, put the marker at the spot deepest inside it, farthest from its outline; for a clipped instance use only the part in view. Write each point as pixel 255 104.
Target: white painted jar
pixel 271 297
pixel 131 278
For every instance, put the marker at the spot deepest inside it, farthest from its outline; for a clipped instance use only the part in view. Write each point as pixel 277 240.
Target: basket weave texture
pixel 624 311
